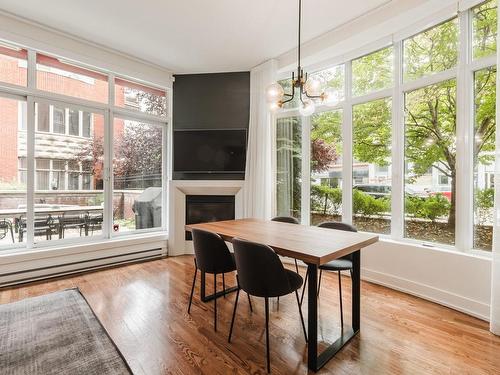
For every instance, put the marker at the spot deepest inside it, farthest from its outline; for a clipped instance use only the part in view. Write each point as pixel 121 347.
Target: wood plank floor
pixel 144 308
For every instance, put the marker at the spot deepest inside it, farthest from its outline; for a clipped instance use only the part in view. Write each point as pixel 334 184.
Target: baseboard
pixel 454 301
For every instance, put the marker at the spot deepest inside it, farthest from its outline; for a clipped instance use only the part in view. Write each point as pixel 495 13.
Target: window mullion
pixel 347 148
pixel 398 140
pixel 108 175
pixel 465 122
pixel 30 173
pixel 305 200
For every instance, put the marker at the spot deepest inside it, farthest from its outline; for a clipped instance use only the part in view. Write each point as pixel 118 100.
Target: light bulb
pixel 275 106
pixel 313 87
pixel 307 108
pixel 274 93
pixel 331 97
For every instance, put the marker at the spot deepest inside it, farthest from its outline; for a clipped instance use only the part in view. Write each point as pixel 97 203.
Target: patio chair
pixel 93 222
pixel 44 226
pixel 71 221
pixel 5 227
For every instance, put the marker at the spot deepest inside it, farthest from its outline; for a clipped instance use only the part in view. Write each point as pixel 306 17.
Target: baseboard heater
pixel 63 269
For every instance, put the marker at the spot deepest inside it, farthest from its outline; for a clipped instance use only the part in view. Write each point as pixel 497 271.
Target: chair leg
pixel 267 336
pixel 224 285
pixel 304 287
pixel 192 287
pixel 341 310
pixel 215 302
pixel 296 266
pixel 234 314
pixel 12 234
pixel 301 316
pixel 319 281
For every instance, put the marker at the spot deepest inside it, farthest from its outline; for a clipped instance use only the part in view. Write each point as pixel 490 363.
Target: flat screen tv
pixel 210 151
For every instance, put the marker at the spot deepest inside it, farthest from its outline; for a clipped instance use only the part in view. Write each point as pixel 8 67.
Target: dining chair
pixel 337 265
pixel 212 256
pixel 260 273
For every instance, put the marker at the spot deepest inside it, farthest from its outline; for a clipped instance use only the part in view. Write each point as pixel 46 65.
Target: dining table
pixel 315 247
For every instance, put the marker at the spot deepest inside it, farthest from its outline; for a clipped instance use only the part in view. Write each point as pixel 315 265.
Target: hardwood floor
pixel 144 308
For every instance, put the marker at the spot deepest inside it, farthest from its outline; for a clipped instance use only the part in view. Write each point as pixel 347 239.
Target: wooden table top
pixel 307 243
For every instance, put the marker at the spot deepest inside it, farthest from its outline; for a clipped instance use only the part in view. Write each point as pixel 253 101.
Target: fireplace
pixel 206 208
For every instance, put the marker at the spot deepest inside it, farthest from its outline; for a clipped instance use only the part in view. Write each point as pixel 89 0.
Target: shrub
pixel 427 208
pixel 367 205
pixel 484 200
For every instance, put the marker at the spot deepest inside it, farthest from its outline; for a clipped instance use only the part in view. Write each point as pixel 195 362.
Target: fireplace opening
pixel 207 208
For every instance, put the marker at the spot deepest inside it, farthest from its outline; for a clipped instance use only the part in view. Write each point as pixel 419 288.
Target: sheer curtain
pixel 259 178
pixel 495 264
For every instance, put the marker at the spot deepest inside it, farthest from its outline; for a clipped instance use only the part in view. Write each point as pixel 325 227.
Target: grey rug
pixel 57 333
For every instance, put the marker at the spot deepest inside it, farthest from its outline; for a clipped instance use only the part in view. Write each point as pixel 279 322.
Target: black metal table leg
pixel 211 297
pixel 314 361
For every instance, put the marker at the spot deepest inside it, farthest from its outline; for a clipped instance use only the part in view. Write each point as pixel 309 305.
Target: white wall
pixel 457 280
pixel 30 34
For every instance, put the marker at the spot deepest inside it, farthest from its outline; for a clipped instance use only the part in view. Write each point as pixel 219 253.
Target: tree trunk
pixel 325 205
pixel 451 217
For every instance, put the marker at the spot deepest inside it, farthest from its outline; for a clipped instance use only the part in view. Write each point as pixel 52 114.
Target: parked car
pixel 375 190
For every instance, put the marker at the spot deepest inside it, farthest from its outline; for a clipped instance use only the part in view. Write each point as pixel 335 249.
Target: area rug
pixel 57 333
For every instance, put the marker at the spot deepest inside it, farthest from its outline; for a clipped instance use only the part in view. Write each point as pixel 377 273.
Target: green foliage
pixel 372 72
pixel 429 208
pixel 431 51
pixel 326 199
pixel 484 24
pixel 367 205
pixel 326 131
pixel 372 132
pixel 483 204
pixel 485 104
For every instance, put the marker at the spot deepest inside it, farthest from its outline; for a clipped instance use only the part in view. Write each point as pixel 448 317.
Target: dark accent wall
pixel 211 101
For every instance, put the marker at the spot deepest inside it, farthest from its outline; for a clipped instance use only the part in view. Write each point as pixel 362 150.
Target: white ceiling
pixel 192 36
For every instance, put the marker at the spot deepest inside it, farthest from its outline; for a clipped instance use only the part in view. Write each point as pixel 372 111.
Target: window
pixel 484 156
pixel 288 166
pixel 430 142
pixel 74 122
pixel 13 65
pixel 86 123
pixel 140 97
pixel 326 167
pixel 58 120
pixel 372 72
pixel 13 170
pixel 43 119
pixel 137 172
pixel 431 51
pixel 60 77
pixel 484 29
pixel 66 165
pixel 371 197
pixel 333 78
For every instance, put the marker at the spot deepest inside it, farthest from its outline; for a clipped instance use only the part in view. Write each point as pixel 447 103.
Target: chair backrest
pixel 211 252
pixel 339 226
pixel 260 271
pixel 285 219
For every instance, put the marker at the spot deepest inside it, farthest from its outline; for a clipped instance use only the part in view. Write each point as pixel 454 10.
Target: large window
pixel 326 167
pixel 415 131
pixel 137 175
pixel 372 72
pixel 13 65
pixel 60 77
pixel 484 29
pixel 484 156
pixel 288 166
pixel 57 136
pixel 431 51
pixel 371 197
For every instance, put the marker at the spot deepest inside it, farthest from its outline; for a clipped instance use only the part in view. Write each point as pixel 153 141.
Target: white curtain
pixel 495 264
pixel 259 179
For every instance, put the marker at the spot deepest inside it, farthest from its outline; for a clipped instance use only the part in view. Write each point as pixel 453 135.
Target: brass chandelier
pixel 309 89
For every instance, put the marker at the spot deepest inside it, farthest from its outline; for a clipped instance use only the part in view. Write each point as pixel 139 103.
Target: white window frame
pixel 463 73
pixel 31 95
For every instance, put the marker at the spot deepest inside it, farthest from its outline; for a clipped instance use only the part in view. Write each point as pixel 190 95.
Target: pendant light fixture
pixel 308 89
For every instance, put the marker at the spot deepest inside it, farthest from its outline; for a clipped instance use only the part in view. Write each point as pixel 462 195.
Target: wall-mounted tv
pixel 210 151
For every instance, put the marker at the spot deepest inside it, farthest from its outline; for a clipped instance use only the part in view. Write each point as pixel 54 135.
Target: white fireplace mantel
pixel 178 189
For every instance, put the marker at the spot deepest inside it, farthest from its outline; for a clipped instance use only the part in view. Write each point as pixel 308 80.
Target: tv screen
pixel 210 151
